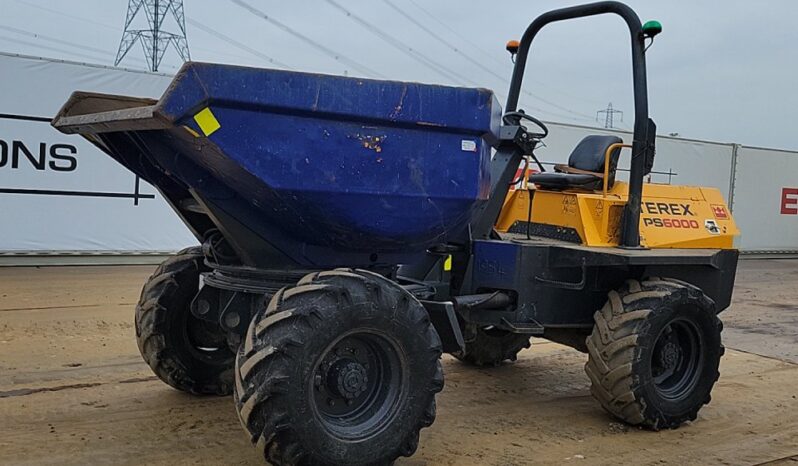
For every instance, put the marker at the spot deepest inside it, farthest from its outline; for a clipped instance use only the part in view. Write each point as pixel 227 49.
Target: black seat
pixel 585 169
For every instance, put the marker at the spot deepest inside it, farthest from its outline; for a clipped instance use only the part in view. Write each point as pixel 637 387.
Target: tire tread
pixel 613 348
pixel 152 328
pixel 259 401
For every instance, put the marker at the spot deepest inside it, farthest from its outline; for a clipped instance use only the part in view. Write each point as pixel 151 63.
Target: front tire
pixel 654 352
pixel 343 368
pixel 181 350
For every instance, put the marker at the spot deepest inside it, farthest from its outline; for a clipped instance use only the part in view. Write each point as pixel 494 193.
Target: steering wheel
pixel 515 117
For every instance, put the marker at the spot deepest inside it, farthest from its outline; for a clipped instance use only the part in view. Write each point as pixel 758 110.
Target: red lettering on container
pixel 789 201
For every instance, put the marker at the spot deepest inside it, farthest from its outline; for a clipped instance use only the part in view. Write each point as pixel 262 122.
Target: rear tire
pixel 654 352
pixel 343 368
pixel 168 336
pixel 490 348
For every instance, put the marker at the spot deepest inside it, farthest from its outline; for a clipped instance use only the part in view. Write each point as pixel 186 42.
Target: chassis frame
pixel 540 286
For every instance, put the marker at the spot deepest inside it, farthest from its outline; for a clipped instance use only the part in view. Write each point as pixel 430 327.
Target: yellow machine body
pixel 671 216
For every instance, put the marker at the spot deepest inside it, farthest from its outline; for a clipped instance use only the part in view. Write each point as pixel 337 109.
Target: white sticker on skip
pixel 468 145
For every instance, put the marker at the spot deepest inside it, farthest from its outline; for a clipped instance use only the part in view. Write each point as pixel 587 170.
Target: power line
pixel 404 48
pixel 54 49
pixel 478 48
pixel 558 106
pixel 501 78
pixel 244 47
pixel 62 15
pixel 238 44
pixel 455 32
pixel 325 50
pixel 565 116
pixel 450 74
pixel 371 28
pixel 496 60
pixel 442 40
pixel 53 39
pixel 399 44
pixel 205 28
pixel 226 53
pixel 66 15
pixel 106 55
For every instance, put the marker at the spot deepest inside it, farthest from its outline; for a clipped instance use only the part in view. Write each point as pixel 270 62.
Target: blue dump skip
pixel 344 164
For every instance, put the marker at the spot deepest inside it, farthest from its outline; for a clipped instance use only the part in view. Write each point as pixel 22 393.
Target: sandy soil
pixel 73 389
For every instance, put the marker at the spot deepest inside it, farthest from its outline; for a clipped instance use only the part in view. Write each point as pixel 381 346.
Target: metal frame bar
pixel 642 152
pixel 607 155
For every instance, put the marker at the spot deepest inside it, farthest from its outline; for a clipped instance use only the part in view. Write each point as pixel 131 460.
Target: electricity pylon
pixel 154 40
pixel 609 113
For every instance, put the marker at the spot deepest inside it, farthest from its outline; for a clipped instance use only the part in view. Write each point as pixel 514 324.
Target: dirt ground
pixel 73 389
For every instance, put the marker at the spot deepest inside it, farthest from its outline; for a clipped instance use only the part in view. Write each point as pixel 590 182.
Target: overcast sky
pixel 721 70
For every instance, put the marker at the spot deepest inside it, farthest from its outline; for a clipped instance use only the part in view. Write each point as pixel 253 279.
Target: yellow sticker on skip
pixel 207 121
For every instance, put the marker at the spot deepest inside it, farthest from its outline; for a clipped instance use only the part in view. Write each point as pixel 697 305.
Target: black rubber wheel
pixel 654 352
pixel 490 347
pixel 182 351
pixel 343 368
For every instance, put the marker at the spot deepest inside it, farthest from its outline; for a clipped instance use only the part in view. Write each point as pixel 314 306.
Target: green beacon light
pixel 652 28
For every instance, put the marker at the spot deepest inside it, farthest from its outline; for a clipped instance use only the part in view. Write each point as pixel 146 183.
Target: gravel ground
pixel 73 389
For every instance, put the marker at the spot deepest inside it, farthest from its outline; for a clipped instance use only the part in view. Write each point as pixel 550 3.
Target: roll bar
pixel 644 129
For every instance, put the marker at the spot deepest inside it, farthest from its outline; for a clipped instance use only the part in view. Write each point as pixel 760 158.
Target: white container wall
pixel 765 199
pixel 762 183
pixel 678 161
pixel 60 193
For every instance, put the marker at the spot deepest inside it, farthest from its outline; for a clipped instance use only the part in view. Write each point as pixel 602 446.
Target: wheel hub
pixel 676 360
pixel 347 379
pixel 670 355
pixel 357 384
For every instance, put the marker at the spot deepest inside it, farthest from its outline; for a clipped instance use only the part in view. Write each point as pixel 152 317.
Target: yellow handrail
pixel 607 163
